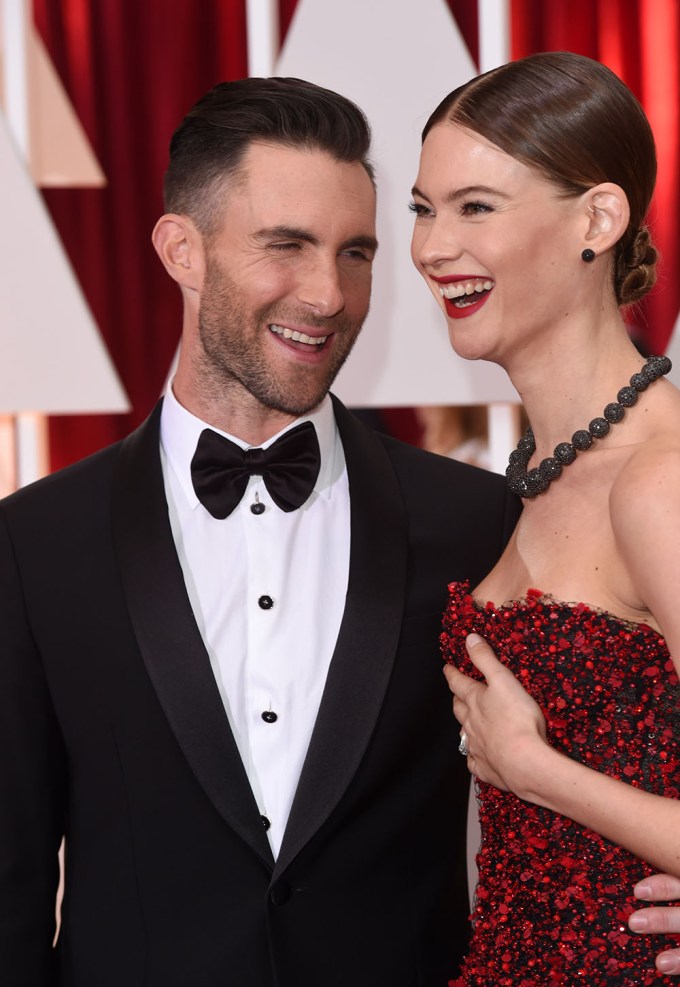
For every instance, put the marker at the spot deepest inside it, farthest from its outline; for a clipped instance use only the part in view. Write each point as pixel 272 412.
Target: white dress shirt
pixel 268 594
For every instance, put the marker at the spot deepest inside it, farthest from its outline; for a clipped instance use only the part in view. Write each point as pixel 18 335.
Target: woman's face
pixel 497 245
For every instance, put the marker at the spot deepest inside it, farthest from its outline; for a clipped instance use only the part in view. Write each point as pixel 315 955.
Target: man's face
pixel 288 277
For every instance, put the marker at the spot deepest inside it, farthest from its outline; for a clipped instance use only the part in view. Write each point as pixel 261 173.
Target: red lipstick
pixel 462 306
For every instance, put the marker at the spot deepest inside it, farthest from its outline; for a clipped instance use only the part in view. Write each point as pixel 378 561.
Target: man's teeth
pixel 459 289
pixel 299 337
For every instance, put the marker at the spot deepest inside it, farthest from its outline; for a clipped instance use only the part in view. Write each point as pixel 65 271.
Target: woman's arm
pixel 644 510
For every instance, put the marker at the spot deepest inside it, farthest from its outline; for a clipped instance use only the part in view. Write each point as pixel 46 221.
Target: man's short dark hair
pixel 210 143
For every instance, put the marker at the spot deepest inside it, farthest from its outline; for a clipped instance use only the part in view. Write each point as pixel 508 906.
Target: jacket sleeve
pixel 32 793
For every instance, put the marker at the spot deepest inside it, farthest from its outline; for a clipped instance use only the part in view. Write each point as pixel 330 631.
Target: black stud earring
pixel 588 255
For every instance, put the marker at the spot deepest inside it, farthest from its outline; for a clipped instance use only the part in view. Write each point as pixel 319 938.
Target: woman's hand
pixel 505 734
pixel 659 887
pixel 502 725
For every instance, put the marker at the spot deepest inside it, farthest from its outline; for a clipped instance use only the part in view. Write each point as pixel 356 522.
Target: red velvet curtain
pixel 640 41
pixel 133 68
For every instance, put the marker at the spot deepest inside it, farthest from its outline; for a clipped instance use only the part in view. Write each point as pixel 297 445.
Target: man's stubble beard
pixel 233 348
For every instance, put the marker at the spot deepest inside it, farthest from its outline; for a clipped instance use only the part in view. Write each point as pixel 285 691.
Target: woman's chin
pixel 470 346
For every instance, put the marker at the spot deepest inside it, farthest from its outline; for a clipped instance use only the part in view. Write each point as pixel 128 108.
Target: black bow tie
pixel 289 467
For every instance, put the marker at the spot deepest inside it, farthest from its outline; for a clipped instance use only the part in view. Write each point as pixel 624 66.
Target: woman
pixel 530 205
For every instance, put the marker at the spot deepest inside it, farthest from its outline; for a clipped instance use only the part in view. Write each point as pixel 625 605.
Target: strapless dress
pixel 553 897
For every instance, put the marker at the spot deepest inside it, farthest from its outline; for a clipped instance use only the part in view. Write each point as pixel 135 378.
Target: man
pixel 221 681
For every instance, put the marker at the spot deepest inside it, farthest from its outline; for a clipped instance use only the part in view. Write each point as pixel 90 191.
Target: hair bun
pixel 636 268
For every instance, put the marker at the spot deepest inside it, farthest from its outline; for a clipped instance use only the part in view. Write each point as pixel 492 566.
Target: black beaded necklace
pixel 529 483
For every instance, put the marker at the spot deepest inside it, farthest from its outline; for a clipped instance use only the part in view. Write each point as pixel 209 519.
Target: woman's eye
pixel 419 209
pixel 475 208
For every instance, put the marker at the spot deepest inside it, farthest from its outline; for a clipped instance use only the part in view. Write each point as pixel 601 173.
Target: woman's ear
pixel 180 247
pixel 608 215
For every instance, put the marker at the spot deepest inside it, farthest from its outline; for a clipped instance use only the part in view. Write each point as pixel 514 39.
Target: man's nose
pixel 320 288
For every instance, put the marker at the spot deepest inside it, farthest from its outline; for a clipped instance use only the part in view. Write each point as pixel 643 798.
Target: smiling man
pixel 276 289
pixel 219 671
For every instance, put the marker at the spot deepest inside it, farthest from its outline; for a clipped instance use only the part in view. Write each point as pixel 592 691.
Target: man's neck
pixel 250 422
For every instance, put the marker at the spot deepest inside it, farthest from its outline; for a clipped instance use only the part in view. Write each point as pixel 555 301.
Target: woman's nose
pixel 433 243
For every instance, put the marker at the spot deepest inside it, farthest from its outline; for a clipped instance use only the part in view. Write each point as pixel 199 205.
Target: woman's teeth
pixel 460 290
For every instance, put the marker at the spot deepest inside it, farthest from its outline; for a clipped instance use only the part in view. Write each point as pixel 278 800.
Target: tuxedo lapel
pixel 367 642
pixel 169 639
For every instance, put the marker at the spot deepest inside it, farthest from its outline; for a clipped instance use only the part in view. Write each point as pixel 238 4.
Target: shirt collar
pixel 180 431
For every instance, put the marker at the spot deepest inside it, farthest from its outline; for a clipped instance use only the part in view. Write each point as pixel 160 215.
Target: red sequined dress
pixel 553 898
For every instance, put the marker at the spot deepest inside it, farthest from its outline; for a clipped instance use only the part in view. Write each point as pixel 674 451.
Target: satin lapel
pixel 368 638
pixel 169 639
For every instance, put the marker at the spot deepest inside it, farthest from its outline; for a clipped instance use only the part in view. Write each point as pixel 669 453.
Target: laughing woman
pixel 530 202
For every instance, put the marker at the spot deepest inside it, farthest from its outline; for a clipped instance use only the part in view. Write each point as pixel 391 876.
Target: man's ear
pixel 180 247
pixel 607 213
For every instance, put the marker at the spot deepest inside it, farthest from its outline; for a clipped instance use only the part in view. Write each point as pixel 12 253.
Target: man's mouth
pixel 296 336
pixel 466 293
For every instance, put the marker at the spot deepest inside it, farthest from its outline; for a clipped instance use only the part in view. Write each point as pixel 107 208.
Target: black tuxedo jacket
pixel 112 731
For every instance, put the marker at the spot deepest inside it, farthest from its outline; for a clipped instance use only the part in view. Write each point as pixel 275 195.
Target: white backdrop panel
pixel 673 351
pixel 51 354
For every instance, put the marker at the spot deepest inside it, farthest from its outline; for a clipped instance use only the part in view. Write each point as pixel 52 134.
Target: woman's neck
pixel 568 384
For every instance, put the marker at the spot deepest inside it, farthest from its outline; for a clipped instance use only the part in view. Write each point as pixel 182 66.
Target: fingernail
pixel 638 922
pixel 667 964
pixel 642 890
pixel 472 639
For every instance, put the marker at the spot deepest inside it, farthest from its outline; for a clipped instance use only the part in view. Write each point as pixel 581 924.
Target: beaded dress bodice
pixel 553 898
